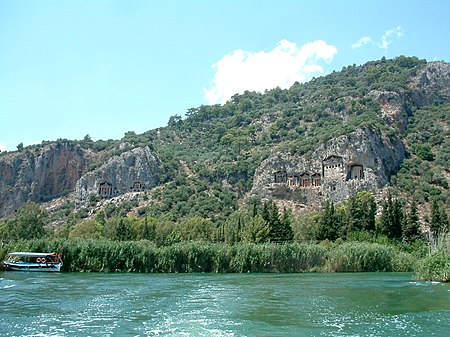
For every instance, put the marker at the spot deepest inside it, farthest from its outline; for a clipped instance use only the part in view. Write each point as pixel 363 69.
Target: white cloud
pixel 257 71
pixel 362 42
pixel 2 147
pixel 387 37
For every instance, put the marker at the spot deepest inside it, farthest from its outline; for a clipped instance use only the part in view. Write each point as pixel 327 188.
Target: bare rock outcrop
pixel 40 174
pixel 362 160
pixel 392 106
pixel 431 84
pixel 133 171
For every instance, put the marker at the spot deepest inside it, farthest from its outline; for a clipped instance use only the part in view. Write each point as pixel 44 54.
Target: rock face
pixel 133 171
pixel 40 174
pixel 362 160
pixel 392 106
pixel 431 84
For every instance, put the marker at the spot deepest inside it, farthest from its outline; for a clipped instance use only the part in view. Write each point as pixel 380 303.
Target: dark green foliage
pixel 411 227
pixel 392 217
pixel 362 210
pixel 423 151
pixel 330 224
pixel 439 219
pixel 280 229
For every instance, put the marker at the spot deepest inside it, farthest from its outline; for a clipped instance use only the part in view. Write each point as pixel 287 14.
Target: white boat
pixel 27 261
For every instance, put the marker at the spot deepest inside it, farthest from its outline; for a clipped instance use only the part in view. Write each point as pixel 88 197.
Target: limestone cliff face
pixel 363 160
pixel 393 107
pixel 40 174
pixel 133 171
pixel 431 84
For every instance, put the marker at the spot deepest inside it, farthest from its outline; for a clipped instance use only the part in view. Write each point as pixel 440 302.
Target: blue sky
pixel 72 68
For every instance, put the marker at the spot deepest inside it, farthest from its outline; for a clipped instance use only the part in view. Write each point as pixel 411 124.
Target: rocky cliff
pixel 136 170
pixel 363 160
pixel 41 174
pixel 60 169
pixel 431 84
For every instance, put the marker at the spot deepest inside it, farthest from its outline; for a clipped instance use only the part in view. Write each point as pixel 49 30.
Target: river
pixel 95 304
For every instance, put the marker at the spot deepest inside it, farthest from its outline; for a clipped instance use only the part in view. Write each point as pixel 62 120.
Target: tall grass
pixel 192 257
pixel 368 257
pixel 436 266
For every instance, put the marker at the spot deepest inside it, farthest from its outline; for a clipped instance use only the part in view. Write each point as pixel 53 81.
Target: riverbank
pixel 194 257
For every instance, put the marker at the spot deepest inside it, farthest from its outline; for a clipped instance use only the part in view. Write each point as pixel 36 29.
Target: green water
pixel 83 304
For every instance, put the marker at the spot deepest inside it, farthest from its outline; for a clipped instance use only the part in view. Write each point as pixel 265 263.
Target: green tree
pixel 29 222
pixel 329 223
pixel 439 219
pixel 87 142
pixel 255 230
pixel 123 232
pixel 280 229
pixel 235 137
pixel 174 120
pixel 149 229
pixel 197 229
pixel 411 227
pixel 233 226
pixel 391 219
pixel 118 228
pixel 362 210
pixel 286 225
pixel 275 225
pixel 87 229
pixel 8 230
pixel 423 151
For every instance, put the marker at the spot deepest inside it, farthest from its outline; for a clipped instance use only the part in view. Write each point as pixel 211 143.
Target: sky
pixel 102 68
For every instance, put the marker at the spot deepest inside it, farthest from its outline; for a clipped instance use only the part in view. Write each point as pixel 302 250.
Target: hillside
pixel 366 128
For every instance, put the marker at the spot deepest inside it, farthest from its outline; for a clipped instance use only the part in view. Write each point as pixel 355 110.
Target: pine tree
pixel 397 220
pixel 123 232
pixel 362 209
pixel 286 220
pixel 265 212
pixel 329 224
pixel 439 220
pixel 392 218
pixel 411 227
pixel 276 231
pixel 445 223
pixel 280 229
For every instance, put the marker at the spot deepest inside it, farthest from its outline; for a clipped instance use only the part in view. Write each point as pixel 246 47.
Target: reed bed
pixel 436 266
pixel 368 257
pixel 197 257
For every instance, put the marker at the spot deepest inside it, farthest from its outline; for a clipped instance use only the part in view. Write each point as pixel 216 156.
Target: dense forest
pixel 210 154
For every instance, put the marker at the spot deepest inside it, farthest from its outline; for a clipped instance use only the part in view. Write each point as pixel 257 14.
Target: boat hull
pixel 26 266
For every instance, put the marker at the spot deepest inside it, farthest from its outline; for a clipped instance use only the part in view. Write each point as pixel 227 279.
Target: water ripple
pixel 221 305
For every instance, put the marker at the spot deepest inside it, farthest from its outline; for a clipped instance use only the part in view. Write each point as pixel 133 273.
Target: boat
pixel 27 261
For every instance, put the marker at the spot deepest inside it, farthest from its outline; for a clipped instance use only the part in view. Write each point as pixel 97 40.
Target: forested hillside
pixel 209 156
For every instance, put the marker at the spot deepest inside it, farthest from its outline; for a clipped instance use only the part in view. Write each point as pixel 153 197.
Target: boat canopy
pixel 31 254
